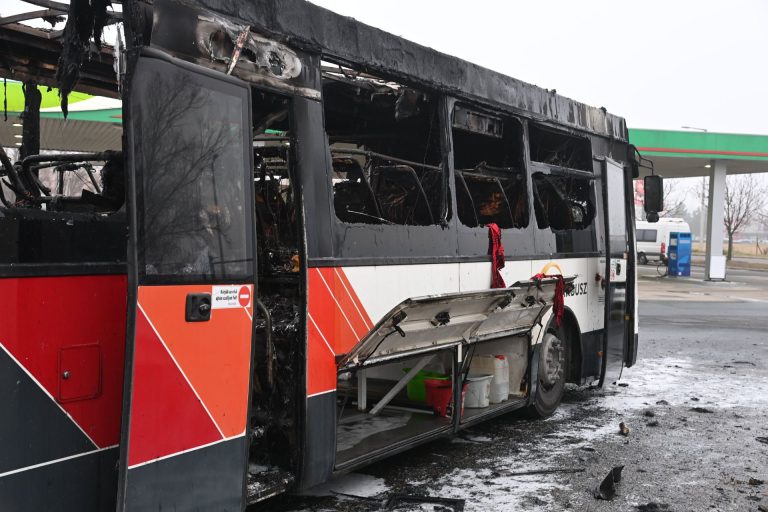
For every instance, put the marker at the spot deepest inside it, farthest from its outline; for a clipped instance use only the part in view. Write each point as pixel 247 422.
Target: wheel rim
pixel 552 361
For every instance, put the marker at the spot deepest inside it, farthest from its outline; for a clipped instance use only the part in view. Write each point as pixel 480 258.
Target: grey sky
pixel 659 64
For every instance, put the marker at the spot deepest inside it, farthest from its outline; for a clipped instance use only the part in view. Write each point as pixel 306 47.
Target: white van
pixel 653 237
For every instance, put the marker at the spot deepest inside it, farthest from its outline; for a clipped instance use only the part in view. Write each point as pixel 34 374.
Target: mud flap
pixel 184 444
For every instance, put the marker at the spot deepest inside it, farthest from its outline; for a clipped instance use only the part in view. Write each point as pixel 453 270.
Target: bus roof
pixel 306 26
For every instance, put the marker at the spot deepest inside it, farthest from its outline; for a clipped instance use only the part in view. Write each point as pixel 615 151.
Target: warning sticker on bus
pixel 223 297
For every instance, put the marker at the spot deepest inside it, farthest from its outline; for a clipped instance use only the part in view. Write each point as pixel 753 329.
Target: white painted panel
pixel 477 275
pixel 382 287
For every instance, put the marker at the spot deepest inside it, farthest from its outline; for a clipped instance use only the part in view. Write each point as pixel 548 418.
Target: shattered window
pixel 563 202
pixel 385 149
pixel 489 171
pixel 559 149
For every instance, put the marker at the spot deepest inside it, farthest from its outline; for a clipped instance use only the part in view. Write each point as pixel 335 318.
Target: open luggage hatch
pixel 429 323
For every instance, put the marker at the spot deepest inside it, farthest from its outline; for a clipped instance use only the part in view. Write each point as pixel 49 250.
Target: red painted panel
pixel 321 363
pixel 79 373
pixel 327 313
pixel 42 315
pixel 215 355
pixel 337 321
pixel 166 416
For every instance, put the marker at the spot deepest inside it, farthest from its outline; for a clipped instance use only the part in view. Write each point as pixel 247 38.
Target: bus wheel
pixel 553 360
pixel 642 258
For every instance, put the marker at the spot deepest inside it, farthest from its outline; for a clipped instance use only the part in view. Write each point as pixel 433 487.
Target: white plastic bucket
pixel 498 367
pixel 478 391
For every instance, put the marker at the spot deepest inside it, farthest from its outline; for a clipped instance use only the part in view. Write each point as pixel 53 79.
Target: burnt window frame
pixel 493 171
pixel 519 242
pixel 437 215
pixel 573 242
pixel 364 243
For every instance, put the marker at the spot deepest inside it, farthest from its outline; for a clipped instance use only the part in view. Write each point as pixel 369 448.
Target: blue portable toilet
pixel 679 255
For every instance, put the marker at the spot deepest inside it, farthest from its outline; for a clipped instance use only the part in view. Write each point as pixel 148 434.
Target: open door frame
pixel 184 443
pixel 617 270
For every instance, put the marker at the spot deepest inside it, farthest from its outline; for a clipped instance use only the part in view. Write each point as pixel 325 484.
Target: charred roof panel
pixel 307 26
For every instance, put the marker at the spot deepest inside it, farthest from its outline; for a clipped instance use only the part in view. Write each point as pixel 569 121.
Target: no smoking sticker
pixel 226 297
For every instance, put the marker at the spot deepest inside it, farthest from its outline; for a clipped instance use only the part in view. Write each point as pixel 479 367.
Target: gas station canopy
pixel 94 123
pixel 685 154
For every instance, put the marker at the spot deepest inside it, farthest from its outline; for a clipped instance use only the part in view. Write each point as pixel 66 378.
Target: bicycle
pixel 661 268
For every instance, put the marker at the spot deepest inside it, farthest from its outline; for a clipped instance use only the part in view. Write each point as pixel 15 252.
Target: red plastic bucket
pixel 440 396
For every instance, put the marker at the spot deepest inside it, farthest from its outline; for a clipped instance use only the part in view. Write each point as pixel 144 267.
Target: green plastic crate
pixel 416 390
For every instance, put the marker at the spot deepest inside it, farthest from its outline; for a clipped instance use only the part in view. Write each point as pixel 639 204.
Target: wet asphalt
pixel 696 405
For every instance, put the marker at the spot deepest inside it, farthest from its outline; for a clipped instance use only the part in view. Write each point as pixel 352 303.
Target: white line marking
pixel 354 333
pixel 321 393
pixel 184 451
pixel 56 461
pixel 48 394
pixel 321 334
pixel 354 303
pixel 180 370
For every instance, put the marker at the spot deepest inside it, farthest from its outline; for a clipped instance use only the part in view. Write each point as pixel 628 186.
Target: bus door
pixel 184 443
pixel 616 270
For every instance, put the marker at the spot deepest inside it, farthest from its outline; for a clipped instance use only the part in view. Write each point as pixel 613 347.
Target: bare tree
pixel 744 200
pixel 674 202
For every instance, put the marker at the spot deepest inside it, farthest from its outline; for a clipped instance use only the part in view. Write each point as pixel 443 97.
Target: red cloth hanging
pixel 558 301
pixel 496 251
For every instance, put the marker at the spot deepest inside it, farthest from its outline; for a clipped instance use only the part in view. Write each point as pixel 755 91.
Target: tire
pixel 553 365
pixel 642 258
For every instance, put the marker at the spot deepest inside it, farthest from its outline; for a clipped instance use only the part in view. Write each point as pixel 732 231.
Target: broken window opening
pixel 64 206
pixel 385 149
pixel 489 170
pixel 563 202
pixel 559 149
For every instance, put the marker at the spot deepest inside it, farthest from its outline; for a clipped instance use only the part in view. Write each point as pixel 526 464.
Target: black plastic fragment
pixel 607 488
pixel 398 500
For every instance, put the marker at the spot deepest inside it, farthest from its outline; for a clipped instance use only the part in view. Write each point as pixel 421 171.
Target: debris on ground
pixel 652 507
pixel 544 471
pixel 648 413
pixel 624 384
pixel 762 508
pixel 662 402
pixel 702 410
pixel 400 500
pixel 654 423
pixel 755 481
pixel 607 488
pixel 623 429
pixel 763 440
pixel 694 399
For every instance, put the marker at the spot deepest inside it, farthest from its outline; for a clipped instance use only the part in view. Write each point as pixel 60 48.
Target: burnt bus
pixel 303 226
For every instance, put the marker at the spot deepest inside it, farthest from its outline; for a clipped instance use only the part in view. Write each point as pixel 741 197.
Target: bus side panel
pixel 62 344
pixel 189 400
